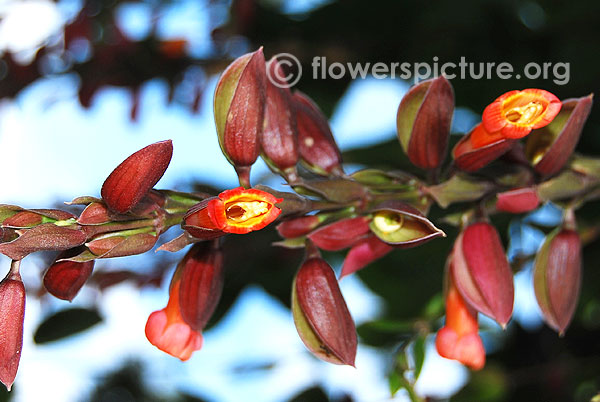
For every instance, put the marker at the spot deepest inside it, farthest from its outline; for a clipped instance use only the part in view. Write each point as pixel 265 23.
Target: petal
pixel 480 137
pixel 364 253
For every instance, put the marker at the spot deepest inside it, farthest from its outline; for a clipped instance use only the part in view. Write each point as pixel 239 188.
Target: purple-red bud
pixel 481 272
pixel 321 315
pixel 95 213
pixel 423 122
pixel 341 234
pixel 318 150
pixel 44 237
pixel 363 253
pixel 549 148
pixel 298 226
pixel 557 278
pixel 201 275
pixel 121 244
pixel 518 201
pixel 12 308
pixel 64 278
pixel 136 175
pixel 239 109
pixel 279 139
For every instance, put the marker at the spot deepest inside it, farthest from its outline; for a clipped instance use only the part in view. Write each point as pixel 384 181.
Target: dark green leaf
pixel 66 323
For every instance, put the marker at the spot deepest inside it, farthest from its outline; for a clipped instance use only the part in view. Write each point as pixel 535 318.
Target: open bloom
pixel 458 339
pixel 516 113
pixel 233 211
pixel 167 330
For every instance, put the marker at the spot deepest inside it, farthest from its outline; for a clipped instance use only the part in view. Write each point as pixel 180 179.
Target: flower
pixel 458 339
pixel 167 330
pixel 516 113
pixel 233 211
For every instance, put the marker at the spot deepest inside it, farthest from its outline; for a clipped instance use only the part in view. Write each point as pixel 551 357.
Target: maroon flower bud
pixel 23 219
pixel 549 148
pixel 518 200
pixel 279 139
pixel 481 272
pixel 201 275
pixel 95 213
pixel 123 243
pixel 320 313
pixel 298 226
pixel 557 278
pixel 136 175
pixel 239 108
pixel 340 234
pixel 470 158
pixel 12 306
pixel 401 225
pixel 44 237
pixel 363 253
pixel 65 278
pixel 423 121
pixel 318 150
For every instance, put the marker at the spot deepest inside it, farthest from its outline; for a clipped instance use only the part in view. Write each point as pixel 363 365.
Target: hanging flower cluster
pixel 370 213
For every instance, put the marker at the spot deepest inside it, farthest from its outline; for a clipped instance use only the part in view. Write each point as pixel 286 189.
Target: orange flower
pixel 233 211
pixel 458 339
pixel 167 330
pixel 516 113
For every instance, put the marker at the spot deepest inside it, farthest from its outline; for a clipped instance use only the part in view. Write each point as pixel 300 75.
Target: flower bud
pixel 518 201
pixel 401 225
pixel 341 234
pixel 318 150
pixel 167 330
pixel 233 211
pixel 95 213
pixel 458 339
pixel 123 243
pixel 239 109
pixel 481 272
pixel 557 277
pixel 12 306
pixel 201 282
pixel 363 253
pixel 423 121
pixel 44 237
pixel 550 148
pixel 320 313
pixel 279 139
pixel 23 219
pixel 65 278
pixel 298 226
pixel 135 176
pixel 470 157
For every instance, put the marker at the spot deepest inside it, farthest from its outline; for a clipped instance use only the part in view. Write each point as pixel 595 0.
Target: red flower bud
pixel 458 339
pixel 201 282
pixel 518 200
pixel 234 211
pixel 23 219
pixel 124 243
pixel 95 213
pixel 43 238
pixel 65 278
pixel 167 330
pixel 423 120
pixel 136 175
pixel 341 234
pixel 550 148
pixel 279 139
pixel 363 253
pixel 471 155
pixel 298 226
pixel 318 150
pixel 12 306
pixel 481 272
pixel 557 278
pixel 321 315
pixel 239 108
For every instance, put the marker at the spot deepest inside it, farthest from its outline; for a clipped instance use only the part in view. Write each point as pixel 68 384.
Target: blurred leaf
pixel 66 323
pixel 315 394
pixel 488 385
pixel 419 354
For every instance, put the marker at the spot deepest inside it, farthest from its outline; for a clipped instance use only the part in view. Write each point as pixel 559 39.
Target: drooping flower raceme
pixel 233 211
